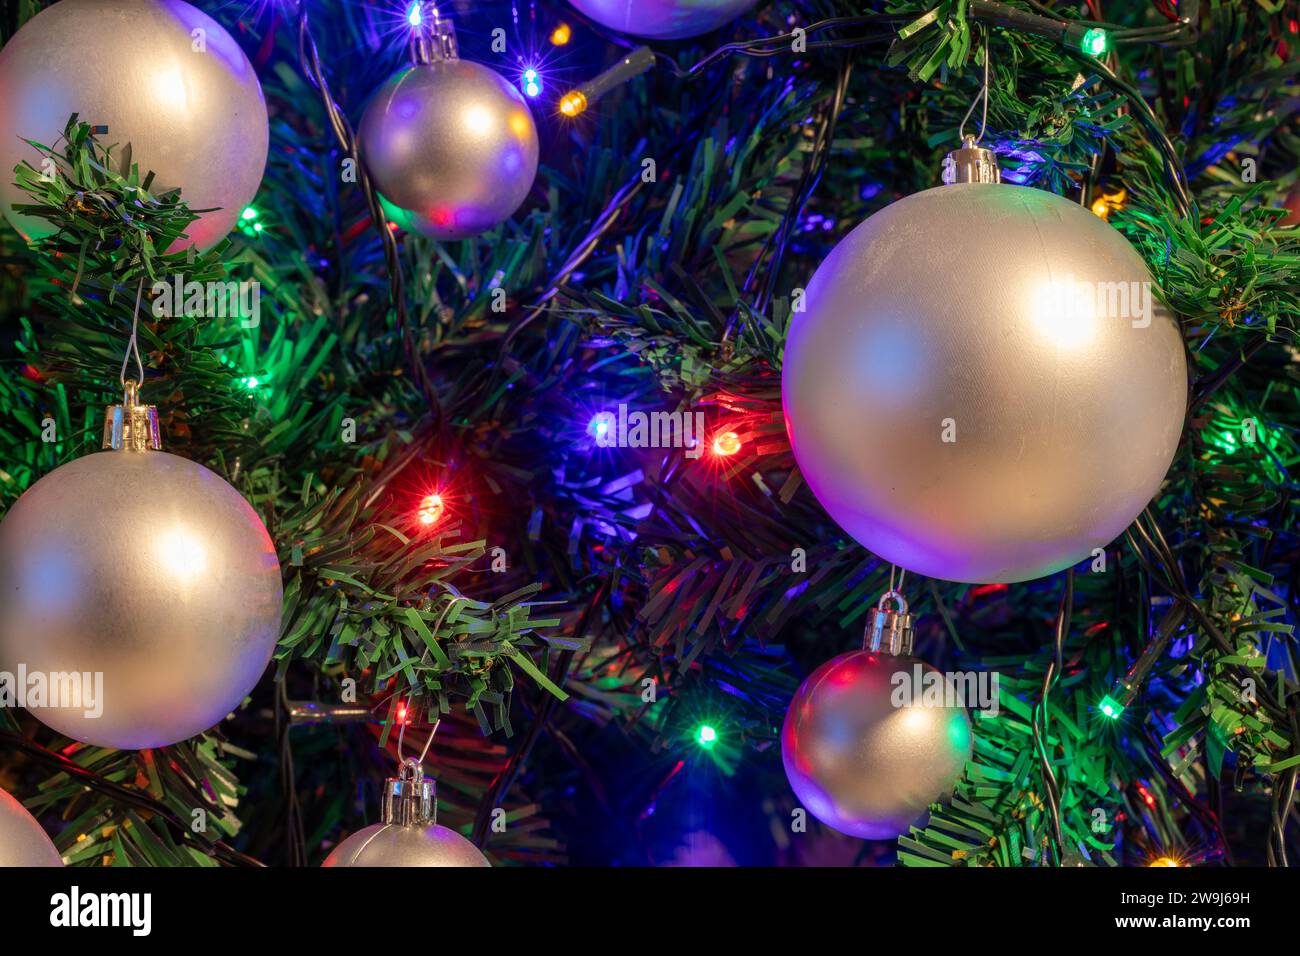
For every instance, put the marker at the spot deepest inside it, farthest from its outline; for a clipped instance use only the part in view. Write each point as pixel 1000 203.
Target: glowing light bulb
pixel 706 736
pixel 561 35
pixel 532 82
pixel 1095 42
pixel 1111 707
pixel 726 444
pixel 414 15
pixel 252 382
pixel 249 212
pixel 431 509
pixel 573 103
pixel 1164 861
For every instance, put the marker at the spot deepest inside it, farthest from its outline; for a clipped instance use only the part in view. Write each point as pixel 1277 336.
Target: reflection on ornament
pixel 983 417
pixel 408 833
pixel 147 571
pixel 663 19
pixel 195 118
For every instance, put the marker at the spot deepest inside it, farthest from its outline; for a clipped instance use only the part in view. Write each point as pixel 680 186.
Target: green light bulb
pixel 706 737
pixel 1095 42
pixel 1111 707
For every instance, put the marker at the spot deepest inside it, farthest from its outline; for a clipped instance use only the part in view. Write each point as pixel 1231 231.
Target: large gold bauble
pixel 982 384
pixel 165 78
pixel 151 571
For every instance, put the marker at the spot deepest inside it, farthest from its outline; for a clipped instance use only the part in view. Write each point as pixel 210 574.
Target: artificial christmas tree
pixel 535 488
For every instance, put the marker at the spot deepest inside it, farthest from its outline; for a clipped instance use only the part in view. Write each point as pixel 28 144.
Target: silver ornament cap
pixel 132 426
pixel 971 163
pixel 890 631
pixel 409 798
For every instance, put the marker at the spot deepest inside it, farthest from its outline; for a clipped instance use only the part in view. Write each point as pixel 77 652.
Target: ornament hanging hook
pixel 971 162
pixel 133 346
pixel 983 94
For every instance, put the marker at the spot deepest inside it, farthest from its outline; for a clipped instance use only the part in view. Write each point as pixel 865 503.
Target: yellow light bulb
pixel 561 35
pixel 573 103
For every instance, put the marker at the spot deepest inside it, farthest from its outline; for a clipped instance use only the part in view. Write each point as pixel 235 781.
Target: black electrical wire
pixel 309 57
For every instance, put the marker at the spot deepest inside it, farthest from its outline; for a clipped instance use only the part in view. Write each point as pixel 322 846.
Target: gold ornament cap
pixel 409 799
pixel 131 426
pixel 889 631
pixel 971 163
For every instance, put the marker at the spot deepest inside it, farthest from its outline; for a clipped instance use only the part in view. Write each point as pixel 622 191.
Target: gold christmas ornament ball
pixel 451 147
pixel 981 384
pixel 864 760
pixel 22 841
pixel 663 19
pixel 152 579
pixel 388 844
pixel 175 90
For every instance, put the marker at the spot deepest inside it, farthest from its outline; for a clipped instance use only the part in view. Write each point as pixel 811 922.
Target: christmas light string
pixel 1041 720
pixel 768 262
pixel 1283 790
pixel 309 58
pixel 1070 33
